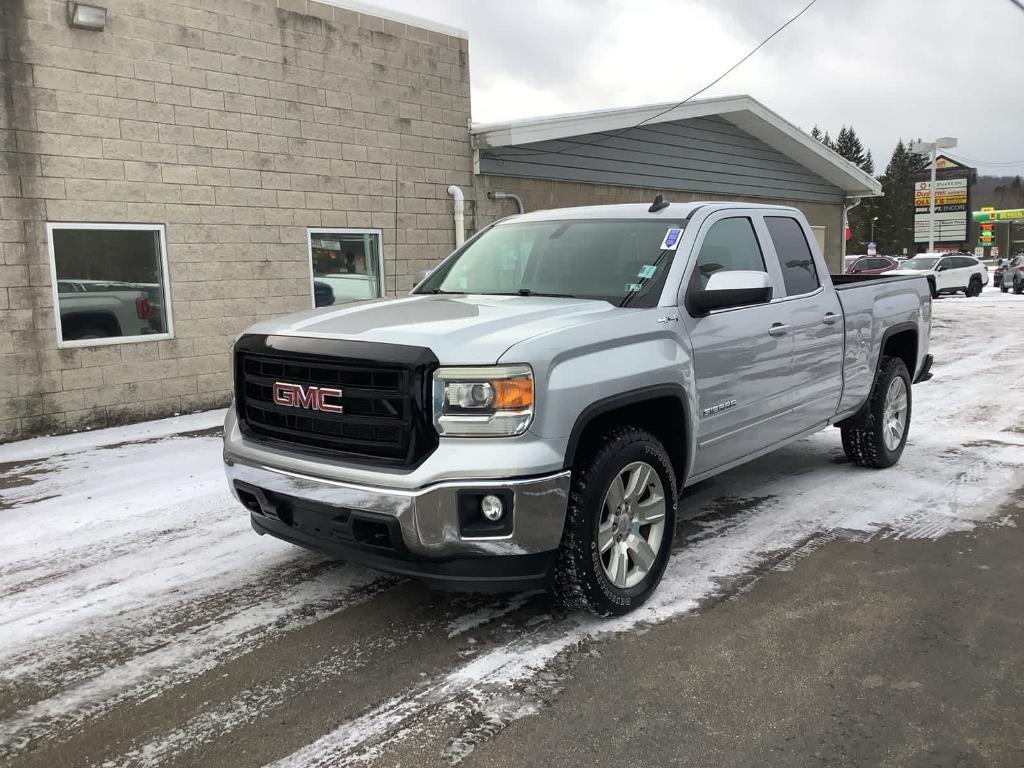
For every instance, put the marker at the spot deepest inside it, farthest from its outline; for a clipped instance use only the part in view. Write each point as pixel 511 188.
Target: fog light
pixel 492 508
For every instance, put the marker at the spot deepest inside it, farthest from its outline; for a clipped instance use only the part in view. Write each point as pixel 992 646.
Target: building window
pixel 345 265
pixel 109 283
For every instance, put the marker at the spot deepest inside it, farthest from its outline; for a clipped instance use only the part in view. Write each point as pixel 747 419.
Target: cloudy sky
pixel 890 68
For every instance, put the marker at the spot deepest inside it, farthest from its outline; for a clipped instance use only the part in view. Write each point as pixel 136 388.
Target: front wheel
pixel 878 436
pixel 1004 288
pixel 619 525
pixel 1018 287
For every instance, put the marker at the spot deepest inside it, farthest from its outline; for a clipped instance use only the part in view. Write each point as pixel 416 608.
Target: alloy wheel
pixel 894 415
pixel 632 524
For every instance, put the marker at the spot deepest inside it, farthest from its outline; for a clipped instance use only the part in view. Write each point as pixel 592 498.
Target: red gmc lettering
pixel 314 398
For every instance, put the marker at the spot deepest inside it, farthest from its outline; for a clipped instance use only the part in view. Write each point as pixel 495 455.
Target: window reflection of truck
pixel 97 309
pixel 341 288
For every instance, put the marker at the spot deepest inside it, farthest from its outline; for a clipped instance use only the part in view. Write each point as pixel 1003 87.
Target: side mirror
pixel 733 289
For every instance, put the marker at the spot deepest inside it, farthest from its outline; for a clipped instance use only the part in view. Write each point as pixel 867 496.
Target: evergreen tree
pixel 894 229
pixel 868 166
pixel 816 133
pixel 848 145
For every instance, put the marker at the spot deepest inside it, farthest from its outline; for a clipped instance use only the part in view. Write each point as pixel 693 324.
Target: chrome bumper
pixel 427 518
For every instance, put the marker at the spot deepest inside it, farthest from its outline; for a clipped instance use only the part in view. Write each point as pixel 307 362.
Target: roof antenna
pixel 659 204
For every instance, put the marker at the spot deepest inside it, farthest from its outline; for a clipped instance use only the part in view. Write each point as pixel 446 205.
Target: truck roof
pixel 674 211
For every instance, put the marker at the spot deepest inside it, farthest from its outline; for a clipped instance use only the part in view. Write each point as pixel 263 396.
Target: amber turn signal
pixel 512 394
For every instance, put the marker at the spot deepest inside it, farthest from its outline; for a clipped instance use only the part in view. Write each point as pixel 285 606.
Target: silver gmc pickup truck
pixel 528 417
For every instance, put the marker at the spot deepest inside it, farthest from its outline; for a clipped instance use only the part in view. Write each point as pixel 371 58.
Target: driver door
pixel 742 356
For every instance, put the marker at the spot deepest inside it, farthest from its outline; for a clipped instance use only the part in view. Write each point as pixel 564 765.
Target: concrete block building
pixel 173 170
pixel 182 171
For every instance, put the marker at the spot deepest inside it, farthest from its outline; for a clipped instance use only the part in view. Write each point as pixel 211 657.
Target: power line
pixel 990 162
pixel 692 96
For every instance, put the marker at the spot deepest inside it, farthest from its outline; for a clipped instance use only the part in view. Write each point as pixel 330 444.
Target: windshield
pixel 620 261
pixel 919 263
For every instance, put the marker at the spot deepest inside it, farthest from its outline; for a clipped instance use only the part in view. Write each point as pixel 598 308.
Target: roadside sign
pixel 872 249
pixel 1009 214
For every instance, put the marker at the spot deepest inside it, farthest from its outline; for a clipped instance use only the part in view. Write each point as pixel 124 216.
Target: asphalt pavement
pixel 813 613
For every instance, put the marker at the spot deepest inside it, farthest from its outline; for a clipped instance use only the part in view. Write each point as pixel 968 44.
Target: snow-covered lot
pixel 143 623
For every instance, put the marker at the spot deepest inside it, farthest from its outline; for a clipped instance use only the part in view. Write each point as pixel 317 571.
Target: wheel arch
pixel 900 340
pixel 661 409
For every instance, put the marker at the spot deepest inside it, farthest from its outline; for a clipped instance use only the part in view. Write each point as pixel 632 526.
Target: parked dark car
pixel 997 276
pixel 872 265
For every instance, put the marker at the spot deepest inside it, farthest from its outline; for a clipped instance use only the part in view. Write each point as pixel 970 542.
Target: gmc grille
pixel 384 415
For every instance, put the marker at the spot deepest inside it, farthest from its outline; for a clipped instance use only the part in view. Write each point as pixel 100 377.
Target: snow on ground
pixel 127 570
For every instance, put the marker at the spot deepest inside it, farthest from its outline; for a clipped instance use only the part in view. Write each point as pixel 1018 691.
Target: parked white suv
pixel 952 273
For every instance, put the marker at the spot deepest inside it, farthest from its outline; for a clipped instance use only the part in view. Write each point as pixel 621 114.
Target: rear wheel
pixel 974 287
pixel 1018 287
pixel 876 437
pixel 1004 288
pixel 619 525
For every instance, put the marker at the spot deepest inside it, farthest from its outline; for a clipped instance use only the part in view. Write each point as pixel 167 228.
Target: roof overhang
pixel 744 112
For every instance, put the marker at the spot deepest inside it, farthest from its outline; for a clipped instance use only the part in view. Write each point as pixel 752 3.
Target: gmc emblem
pixel 298 396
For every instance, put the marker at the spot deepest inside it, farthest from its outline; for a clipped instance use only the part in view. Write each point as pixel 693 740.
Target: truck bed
pixel 845 282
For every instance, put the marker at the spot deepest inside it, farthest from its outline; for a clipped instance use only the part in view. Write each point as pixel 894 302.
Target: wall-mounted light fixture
pixel 87 16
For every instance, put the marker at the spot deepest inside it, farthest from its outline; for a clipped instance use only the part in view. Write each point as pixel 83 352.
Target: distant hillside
pixel 999 192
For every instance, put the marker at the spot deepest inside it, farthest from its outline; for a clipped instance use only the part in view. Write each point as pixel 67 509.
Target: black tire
pixel 580 580
pixel 863 438
pixel 1018 287
pixel 974 288
pixel 1004 288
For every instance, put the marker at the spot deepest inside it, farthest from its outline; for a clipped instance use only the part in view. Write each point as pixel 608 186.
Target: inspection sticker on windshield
pixel 672 238
pixel 647 271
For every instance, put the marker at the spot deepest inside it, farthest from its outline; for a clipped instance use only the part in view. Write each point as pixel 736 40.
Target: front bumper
pixel 411 532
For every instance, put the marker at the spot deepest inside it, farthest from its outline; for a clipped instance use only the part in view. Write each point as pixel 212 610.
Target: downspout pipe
pixel 507 196
pixel 849 205
pixel 460 214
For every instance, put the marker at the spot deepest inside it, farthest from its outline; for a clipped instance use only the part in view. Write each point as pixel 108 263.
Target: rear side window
pixel 798 271
pixel 729 246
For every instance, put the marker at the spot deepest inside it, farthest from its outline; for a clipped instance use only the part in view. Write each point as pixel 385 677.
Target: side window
pixel 729 246
pixel 944 264
pixel 798 270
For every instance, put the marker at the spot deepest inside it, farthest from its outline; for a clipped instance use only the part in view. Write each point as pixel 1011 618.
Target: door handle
pixel 778 329
pixel 830 318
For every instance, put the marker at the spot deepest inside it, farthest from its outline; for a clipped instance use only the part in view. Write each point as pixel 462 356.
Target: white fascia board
pixel 554 127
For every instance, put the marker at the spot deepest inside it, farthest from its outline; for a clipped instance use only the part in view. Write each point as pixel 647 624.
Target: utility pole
pixel 931 148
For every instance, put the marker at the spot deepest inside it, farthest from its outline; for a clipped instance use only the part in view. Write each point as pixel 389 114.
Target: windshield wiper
pixel 528 292
pixel 438 290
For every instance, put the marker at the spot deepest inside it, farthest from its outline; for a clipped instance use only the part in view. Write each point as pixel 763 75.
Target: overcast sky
pixel 891 68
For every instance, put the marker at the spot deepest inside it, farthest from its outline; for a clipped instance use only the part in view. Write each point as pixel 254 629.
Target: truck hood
pixel 470 330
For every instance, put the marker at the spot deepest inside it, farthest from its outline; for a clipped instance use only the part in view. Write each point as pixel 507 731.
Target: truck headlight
pixel 483 401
